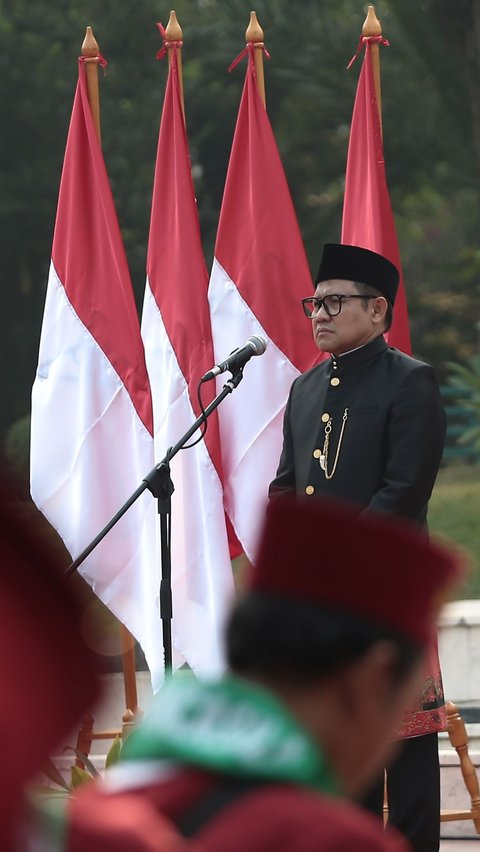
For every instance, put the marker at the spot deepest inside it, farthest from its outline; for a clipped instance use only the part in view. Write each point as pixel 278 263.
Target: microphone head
pixel 258 344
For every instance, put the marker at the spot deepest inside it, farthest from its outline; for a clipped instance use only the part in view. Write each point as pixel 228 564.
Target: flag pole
pixel 174 32
pixel 255 35
pixel 373 27
pixel 91 52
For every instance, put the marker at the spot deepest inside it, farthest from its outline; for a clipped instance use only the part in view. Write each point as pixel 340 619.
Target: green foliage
pixel 453 513
pixel 50 770
pixel 114 752
pixel 431 120
pixel 17 448
pixel 466 380
pixel 79 775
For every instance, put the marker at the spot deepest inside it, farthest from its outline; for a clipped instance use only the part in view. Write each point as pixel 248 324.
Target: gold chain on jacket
pixel 323 460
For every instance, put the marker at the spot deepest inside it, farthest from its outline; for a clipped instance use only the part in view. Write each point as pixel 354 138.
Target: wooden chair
pixel 458 737
pixel 459 740
pixel 87 735
pixel 132 715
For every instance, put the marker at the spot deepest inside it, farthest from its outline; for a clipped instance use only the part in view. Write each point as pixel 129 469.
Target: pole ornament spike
pixel 255 36
pixel 168 44
pixel 90 47
pixel 91 51
pixel 371 36
pixel 371 24
pixel 173 30
pixel 172 36
pixel 254 32
pixel 255 46
pixel 92 58
pixel 372 29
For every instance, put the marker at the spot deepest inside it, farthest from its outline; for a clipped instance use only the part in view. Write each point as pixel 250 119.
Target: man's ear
pixel 379 309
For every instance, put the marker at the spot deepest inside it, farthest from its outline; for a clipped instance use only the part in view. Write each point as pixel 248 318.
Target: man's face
pixel 365 713
pixel 356 324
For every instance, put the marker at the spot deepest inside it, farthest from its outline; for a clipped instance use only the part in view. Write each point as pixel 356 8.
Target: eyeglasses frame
pixel 321 302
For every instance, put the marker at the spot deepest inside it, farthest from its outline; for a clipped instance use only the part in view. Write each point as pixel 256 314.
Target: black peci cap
pixel 353 263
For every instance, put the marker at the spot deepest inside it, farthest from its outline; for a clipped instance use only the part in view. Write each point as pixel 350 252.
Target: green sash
pixel 228 726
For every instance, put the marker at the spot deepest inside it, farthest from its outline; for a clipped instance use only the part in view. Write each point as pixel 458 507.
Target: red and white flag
pixel 91 439
pixel 178 346
pixel 260 273
pixel 367 212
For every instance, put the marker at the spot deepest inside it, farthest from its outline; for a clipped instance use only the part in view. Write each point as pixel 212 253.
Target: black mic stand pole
pixel 160 484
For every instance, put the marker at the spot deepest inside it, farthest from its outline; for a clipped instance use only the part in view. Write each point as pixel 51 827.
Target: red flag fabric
pixel 178 345
pixel 259 275
pixel 367 213
pixel 91 440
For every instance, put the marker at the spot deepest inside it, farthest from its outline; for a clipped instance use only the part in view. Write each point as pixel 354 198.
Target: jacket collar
pixel 340 363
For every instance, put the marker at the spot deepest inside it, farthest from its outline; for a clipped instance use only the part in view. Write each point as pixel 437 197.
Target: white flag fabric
pixel 259 275
pixel 92 427
pixel 178 346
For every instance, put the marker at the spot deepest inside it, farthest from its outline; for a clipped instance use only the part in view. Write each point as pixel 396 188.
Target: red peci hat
pixel 372 565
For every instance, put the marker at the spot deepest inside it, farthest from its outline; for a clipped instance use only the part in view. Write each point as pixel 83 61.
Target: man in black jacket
pixel 367 425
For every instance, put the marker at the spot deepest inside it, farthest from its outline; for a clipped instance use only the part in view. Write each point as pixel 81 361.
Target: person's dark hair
pixel 272 637
pixel 368 290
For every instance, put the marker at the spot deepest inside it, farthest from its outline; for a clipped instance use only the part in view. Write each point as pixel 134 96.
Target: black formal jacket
pixel 393 438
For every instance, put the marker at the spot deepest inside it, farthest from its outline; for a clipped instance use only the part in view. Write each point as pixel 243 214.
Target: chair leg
pixel 459 740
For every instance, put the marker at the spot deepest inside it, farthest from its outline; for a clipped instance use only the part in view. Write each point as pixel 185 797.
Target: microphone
pixel 238 358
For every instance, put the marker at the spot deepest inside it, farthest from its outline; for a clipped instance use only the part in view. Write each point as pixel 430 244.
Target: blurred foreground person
pixel 48 676
pixel 321 663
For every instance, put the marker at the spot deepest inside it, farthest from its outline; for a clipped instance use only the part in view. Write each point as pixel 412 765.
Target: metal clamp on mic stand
pixel 160 484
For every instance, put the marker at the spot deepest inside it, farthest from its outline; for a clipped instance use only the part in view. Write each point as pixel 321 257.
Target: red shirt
pixel 268 818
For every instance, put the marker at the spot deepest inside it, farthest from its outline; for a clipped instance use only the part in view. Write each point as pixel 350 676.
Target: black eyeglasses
pixel 331 304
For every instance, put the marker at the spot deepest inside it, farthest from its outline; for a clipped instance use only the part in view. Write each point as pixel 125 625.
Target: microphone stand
pixel 159 483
